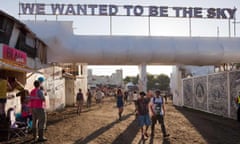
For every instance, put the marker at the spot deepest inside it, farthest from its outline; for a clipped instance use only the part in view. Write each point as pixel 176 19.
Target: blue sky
pixel 86 25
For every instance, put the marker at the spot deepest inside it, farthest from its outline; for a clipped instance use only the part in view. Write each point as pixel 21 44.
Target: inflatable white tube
pixel 127 50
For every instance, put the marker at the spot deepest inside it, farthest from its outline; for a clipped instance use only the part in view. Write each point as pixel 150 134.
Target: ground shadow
pixel 70 113
pixel 99 131
pixel 127 136
pixel 214 129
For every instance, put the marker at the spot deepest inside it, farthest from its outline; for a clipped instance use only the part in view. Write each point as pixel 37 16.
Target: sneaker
pixel 35 138
pixel 42 140
pixel 146 134
pixel 152 134
pixel 166 135
pixel 144 137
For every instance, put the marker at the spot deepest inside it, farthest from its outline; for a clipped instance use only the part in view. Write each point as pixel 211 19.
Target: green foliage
pixel 132 79
pixel 160 82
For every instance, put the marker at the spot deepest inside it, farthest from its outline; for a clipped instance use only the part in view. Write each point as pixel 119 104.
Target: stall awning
pixel 7 66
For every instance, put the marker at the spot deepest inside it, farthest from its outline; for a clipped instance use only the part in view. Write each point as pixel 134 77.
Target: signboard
pixel 125 10
pixel 12 55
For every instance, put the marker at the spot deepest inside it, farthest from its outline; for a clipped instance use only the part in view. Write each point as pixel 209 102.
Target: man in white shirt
pixel 98 96
pixel 157 111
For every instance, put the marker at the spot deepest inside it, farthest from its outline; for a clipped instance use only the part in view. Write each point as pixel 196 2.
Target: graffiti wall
pixel 215 93
pixel 200 93
pixel 188 92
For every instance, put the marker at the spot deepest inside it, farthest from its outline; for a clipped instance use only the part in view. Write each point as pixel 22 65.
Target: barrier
pixel 214 93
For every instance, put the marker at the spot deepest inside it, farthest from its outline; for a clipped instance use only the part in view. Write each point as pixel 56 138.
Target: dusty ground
pixel 99 125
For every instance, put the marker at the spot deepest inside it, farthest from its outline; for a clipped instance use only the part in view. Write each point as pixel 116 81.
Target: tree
pixel 133 79
pixel 164 81
pixel 160 82
pixel 127 79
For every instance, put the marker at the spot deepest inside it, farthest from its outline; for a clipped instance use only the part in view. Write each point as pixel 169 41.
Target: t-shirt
pixel 79 96
pixel 99 95
pixel 142 106
pixel 157 103
pixel 135 96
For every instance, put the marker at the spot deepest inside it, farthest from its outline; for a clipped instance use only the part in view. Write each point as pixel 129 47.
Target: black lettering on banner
pixel 220 13
pixel 57 8
pixel 231 12
pixel 70 10
pixel 177 11
pixel 187 12
pixel 103 10
pixel 113 10
pixel 131 10
pixel 153 11
pixel 138 10
pixel 198 12
pixel 211 13
pixel 82 9
pixel 27 8
pixel 128 7
pixel 40 9
pixel 92 7
pixel 164 11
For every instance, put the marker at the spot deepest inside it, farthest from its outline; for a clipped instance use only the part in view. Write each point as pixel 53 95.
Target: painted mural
pixel 188 92
pixel 200 93
pixel 234 78
pixel 217 94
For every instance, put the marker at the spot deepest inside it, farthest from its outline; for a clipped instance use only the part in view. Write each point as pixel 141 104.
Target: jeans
pixel 160 119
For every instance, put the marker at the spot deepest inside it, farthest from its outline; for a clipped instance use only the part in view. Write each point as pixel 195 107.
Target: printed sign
pixel 125 10
pixel 13 55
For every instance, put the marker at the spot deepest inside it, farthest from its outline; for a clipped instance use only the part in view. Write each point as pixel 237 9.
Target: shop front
pixel 13 69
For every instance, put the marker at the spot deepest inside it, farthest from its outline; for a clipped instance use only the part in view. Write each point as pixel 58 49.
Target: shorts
pixel 144 120
pixel 80 102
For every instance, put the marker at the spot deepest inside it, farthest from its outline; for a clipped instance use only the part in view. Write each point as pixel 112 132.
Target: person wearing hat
pixel 157 111
pixel 38 112
pixel 143 114
pixel 41 80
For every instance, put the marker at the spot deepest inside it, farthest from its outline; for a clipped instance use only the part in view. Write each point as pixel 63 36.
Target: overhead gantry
pixel 65 47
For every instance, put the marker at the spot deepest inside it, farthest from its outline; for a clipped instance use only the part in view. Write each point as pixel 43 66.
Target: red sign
pixel 14 55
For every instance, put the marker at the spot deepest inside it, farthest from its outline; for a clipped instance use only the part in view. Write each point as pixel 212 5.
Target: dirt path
pixel 99 125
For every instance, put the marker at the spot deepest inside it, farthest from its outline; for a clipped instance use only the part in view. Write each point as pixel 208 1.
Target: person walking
pixel 37 100
pixel 89 98
pixel 79 101
pixel 142 108
pixel 135 98
pixel 98 97
pixel 120 103
pixel 126 97
pixel 157 111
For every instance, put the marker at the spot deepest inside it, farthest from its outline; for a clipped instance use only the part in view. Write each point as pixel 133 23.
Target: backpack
pixel 79 96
